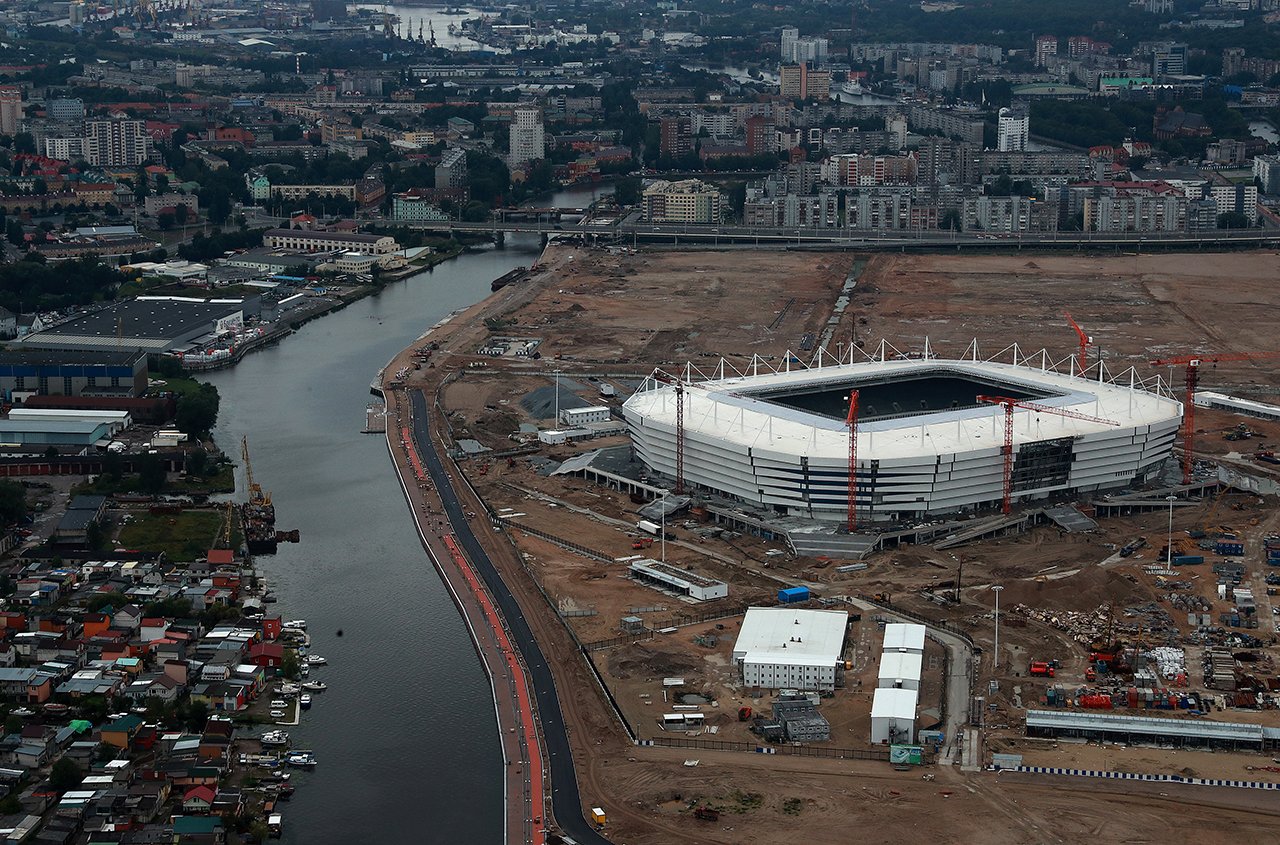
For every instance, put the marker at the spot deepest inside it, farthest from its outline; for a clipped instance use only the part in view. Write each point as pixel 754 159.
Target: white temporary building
pixel 900 669
pixel 785 648
pixel 893 715
pixel 904 637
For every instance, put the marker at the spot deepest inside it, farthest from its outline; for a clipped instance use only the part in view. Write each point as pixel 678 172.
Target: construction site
pixel 1118 606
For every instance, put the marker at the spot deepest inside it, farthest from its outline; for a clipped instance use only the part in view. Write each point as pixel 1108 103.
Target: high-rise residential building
pixel 1232 60
pixel 1046 48
pixel 675 136
pixel 800 82
pixel 1169 60
pixel 1266 169
pixel 10 110
pixel 528 141
pixel 761 135
pixel 451 172
pixel 116 143
pixel 788 43
pixel 1013 129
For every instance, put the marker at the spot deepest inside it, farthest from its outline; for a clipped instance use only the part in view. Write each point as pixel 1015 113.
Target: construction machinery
pixel 744 714
pixel 706 814
pixel 1192 365
pixel 851 421
pixel 1082 357
pixel 1044 669
pixel 1009 404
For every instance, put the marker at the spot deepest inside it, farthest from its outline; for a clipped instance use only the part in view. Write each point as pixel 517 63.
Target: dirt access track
pixel 603 310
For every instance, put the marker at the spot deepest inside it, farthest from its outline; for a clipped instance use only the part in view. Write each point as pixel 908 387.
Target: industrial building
pixel 926 443
pixel 1149 729
pixel 1221 401
pixel 899 670
pixel 907 638
pixel 71 372
pixel 800 719
pixel 677 580
pixel 41 434
pixel 893 715
pixel 582 416
pixel 306 240
pixel 783 648
pixel 147 324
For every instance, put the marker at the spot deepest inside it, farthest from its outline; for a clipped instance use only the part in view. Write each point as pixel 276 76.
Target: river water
pixel 405 734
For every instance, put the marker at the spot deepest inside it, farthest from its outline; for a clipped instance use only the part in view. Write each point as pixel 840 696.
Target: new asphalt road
pixel 565 801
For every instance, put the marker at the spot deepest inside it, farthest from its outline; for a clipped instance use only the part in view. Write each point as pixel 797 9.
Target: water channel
pixel 405 734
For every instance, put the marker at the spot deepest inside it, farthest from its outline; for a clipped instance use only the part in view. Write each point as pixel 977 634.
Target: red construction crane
pixel 1192 363
pixel 1009 404
pixel 1082 360
pixel 678 384
pixel 852 422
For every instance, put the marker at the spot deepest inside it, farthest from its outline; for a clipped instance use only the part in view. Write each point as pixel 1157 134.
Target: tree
pixel 113 466
pixel 13 502
pixel 180 213
pixel 197 715
pixel 627 191
pixel 100 600
pixel 950 220
pixel 198 411
pixel 12 724
pixel 166 220
pixel 95 536
pixel 289 666
pixel 66 775
pixel 151 474
pixel 197 462
pixel 13 231
pixel 23 142
pixel 1233 220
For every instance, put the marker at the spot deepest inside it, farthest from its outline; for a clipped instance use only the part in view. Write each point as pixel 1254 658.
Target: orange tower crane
pixel 851 421
pixel 1082 359
pixel 1192 364
pixel 1009 404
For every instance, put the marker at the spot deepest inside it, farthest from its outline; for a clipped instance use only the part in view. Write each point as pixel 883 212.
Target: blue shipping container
pixel 1187 560
pixel 793 594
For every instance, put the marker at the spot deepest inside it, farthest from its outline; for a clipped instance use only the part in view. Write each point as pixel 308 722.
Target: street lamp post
pixel 557 381
pixel 1169 545
pixel 997 588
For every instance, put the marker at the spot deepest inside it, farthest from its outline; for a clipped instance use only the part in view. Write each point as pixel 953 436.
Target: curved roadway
pixel 566 804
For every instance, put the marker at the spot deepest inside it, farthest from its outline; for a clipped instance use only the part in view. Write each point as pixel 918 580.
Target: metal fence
pixel 559 541
pixel 617 641
pixel 753 748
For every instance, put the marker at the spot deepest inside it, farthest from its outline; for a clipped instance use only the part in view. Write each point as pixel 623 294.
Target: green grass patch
pixel 223 481
pixel 745 802
pixel 183 536
pixel 180 385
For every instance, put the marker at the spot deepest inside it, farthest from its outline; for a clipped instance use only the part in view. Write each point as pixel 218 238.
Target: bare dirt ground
pixel 1137 308
pixel 627 313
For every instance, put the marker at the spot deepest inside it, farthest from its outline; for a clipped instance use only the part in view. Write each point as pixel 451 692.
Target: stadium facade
pixel 778 440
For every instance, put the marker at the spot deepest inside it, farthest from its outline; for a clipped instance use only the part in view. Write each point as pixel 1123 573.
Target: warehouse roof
pixel 893 703
pixel 899 636
pixel 1153 726
pixel 357 237
pixel 806 637
pixel 34 356
pixel 896 665
pixel 154 322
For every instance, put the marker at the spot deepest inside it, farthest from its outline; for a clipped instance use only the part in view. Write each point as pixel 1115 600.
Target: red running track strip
pixel 527 723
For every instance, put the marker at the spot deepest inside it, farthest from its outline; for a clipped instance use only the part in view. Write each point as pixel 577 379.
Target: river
pixel 405 734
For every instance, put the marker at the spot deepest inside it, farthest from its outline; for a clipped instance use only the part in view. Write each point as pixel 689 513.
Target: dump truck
pixel 1043 669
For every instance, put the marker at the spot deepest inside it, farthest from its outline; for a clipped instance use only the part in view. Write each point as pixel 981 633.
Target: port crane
pixel 1192 364
pixel 1009 404
pixel 257 496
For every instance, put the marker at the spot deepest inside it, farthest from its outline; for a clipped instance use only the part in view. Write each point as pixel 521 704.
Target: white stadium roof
pixel 726 410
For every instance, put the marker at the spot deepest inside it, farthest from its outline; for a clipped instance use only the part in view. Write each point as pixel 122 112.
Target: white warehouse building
pixel 904 637
pixel 893 715
pixel 925 443
pixel 781 648
pixel 900 670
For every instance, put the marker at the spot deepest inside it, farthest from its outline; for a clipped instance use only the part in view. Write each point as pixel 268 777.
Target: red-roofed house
pixel 267 655
pixel 198 799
